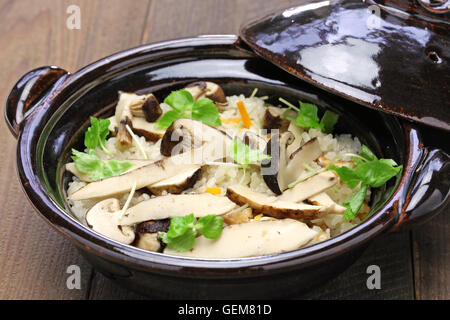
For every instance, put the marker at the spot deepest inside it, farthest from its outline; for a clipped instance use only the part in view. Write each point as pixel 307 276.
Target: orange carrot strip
pixel 214 190
pixel 245 118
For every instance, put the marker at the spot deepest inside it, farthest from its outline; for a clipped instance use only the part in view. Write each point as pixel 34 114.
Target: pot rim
pixel 93 242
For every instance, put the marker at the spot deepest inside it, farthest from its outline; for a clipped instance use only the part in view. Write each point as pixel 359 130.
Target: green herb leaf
pixel 182 243
pixel 182 231
pixel 210 226
pixel 96 134
pixel 179 225
pixel 367 154
pixel 307 117
pixel 180 100
pixel 376 173
pixel 243 155
pixel 205 110
pixel 347 175
pixel 90 164
pixel 328 121
pixel 354 203
pixel 168 118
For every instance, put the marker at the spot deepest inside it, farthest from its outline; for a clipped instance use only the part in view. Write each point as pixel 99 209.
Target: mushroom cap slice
pixel 141 127
pixel 124 116
pixel 170 206
pixel 148 234
pixel 272 119
pixel 151 109
pixel 284 168
pixel 207 89
pixel 176 184
pixel 85 177
pixel 251 239
pixel 310 187
pixel 187 134
pixel 103 218
pixel 143 176
pixel 272 206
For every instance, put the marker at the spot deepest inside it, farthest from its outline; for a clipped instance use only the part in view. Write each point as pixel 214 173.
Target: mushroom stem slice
pixel 284 168
pixel 257 238
pixel 272 206
pixel 310 187
pixel 323 199
pixel 170 206
pixel 143 176
pixel 103 218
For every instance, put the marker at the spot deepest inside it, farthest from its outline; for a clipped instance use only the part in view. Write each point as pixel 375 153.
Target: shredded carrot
pixel 214 190
pixel 258 217
pixel 245 117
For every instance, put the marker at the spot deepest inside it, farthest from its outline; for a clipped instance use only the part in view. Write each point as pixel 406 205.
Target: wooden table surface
pixel 34 258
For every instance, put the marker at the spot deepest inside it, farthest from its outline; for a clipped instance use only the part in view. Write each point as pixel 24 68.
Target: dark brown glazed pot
pixel 390 55
pixel 49 109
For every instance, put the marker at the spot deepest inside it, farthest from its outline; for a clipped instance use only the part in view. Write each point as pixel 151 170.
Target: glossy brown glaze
pixel 393 56
pixel 32 88
pixel 59 121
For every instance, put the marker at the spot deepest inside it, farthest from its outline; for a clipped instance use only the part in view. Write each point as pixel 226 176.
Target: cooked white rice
pixel 214 176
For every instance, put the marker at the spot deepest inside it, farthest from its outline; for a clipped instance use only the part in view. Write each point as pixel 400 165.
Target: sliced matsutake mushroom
pixel 150 109
pixel 143 176
pixel 85 177
pixel 272 119
pixel 132 107
pixel 123 116
pixel 252 139
pixel 322 199
pixel 177 205
pixel 257 238
pixel 297 132
pixel 148 234
pixel 206 89
pixel 103 218
pixel 176 184
pixel 187 134
pixel 310 187
pixel 141 127
pixel 284 168
pixel 272 206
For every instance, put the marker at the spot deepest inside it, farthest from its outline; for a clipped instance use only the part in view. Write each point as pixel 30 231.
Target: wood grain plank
pixel 432 259
pixel 392 253
pixel 33 257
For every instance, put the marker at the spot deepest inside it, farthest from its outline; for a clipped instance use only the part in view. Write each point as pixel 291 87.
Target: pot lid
pixel 391 55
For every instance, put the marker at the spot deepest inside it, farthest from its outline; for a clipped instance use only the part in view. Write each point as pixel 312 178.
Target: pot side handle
pixel 28 93
pixel 427 192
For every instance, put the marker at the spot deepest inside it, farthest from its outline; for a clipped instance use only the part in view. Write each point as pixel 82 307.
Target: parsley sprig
pixel 183 106
pixel 243 155
pixel 369 171
pixel 96 134
pixel 183 231
pixel 307 117
pixel 89 163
